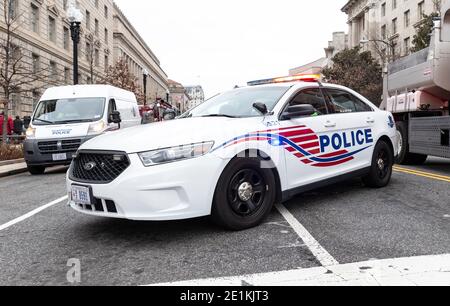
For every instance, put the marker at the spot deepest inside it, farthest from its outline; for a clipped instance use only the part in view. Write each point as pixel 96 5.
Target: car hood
pixel 173 133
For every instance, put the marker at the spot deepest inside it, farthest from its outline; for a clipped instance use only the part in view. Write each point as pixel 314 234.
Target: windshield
pixel 69 111
pixel 238 103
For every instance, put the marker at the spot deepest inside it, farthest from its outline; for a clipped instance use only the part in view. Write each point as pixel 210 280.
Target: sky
pixel 222 43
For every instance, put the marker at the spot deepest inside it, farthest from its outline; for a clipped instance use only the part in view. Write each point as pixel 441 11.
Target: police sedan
pixel 235 155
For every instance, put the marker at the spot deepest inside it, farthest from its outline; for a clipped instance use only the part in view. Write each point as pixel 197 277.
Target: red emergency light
pixel 294 78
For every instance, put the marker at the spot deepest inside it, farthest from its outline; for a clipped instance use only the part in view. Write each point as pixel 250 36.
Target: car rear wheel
pixel 381 170
pixel 245 194
pixel 36 170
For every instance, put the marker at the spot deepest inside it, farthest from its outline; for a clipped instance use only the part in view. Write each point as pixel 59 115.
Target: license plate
pixel 81 194
pixel 60 156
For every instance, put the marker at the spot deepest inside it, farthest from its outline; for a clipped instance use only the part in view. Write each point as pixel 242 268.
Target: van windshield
pixel 75 110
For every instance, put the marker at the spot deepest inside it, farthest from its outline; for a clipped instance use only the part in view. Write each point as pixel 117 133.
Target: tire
pixel 404 156
pixel 381 169
pixel 230 208
pixel 36 170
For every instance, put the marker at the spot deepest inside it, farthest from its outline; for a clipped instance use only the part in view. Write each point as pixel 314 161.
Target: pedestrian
pixel 10 125
pixel 2 115
pixel 18 126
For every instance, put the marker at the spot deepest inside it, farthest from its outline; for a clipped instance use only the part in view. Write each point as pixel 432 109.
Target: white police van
pixel 235 155
pixel 68 116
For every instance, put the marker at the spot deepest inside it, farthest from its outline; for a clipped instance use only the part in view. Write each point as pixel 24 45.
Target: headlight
pixel 168 155
pixel 96 128
pixel 30 133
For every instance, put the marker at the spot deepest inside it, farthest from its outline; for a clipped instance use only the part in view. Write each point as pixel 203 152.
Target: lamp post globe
pixel 75 18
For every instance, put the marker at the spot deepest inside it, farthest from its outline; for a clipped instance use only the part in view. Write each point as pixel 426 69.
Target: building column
pixel 350 34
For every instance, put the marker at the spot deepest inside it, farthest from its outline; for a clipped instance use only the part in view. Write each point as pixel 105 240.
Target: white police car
pixel 235 155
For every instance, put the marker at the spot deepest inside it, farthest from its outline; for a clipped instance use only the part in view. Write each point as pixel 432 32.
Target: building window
pixel 97 57
pixel 394 26
pixel 88 52
pixel 96 28
pixel 66 75
pixel 51 29
pixel 407 45
pixel 383 32
pixel 88 20
pixel 13 8
pixel 383 9
pixel 36 63
pixel 106 62
pixel 34 18
pixel 106 36
pixel 407 19
pixel 421 10
pixel 394 4
pixel 106 12
pixel 96 3
pixel 65 5
pixel 66 38
pixel 53 71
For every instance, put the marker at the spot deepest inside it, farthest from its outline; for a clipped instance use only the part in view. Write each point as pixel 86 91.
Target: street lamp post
pixel 75 18
pixel 145 74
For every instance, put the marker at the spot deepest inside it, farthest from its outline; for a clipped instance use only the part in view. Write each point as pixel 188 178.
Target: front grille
pixel 98 206
pixel 98 167
pixel 71 144
pixel 68 145
pixel 48 146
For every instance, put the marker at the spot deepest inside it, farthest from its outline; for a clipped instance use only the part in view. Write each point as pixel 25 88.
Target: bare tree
pixel 119 75
pixel 92 57
pixel 19 74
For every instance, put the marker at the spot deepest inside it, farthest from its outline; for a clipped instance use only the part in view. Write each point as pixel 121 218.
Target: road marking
pixel 431 270
pixel 32 213
pixel 313 245
pixel 423 174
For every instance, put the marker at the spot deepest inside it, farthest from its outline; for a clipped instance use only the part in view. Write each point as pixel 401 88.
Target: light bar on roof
pixel 294 78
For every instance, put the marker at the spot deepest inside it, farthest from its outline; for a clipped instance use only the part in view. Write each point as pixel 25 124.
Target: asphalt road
pixel 411 217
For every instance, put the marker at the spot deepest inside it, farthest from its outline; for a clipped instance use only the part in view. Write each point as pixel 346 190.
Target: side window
pixel 311 96
pixel 344 102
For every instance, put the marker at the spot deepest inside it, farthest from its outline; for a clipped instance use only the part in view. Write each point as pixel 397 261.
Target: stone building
pixel 196 95
pixel 337 44
pixel 391 21
pixel 43 33
pixel 128 44
pixel 178 96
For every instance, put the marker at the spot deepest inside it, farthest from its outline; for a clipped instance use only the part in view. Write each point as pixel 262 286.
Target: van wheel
pixel 381 170
pixel 245 194
pixel 36 170
pixel 404 156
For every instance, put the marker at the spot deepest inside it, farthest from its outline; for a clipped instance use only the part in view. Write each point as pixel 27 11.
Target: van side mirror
pixel 296 111
pixel 114 117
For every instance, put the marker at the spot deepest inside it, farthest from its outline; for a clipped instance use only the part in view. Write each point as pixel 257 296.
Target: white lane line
pixel 32 213
pixel 431 270
pixel 318 251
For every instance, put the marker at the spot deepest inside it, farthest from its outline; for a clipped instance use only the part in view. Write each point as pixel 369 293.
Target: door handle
pixel 330 124
pixel 370 120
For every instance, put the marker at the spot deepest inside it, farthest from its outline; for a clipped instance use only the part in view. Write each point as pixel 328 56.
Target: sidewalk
pixel 411 271
pixel 13 167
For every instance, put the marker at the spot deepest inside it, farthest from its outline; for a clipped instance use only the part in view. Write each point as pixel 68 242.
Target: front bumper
pixel 174 191
pixel 35 156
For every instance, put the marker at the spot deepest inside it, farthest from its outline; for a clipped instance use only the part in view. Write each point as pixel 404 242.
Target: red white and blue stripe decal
pixel 308 147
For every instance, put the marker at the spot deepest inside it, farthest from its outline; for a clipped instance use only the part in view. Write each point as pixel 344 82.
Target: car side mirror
pixel 261 107
pixel 114 117
pixel 296 111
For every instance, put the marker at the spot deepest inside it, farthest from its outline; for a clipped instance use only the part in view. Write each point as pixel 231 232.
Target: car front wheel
pixel 36 170
pixel 245 194
pixel 381 169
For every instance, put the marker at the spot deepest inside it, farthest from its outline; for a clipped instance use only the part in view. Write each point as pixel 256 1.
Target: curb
pixel 11 162
pixel 13 172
